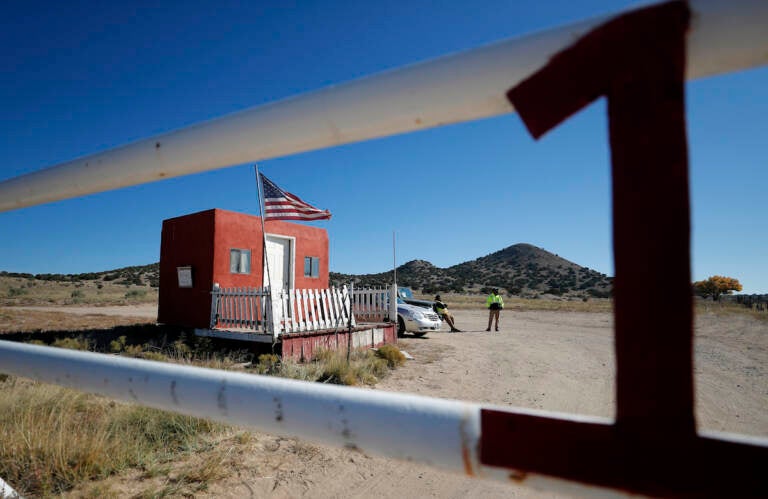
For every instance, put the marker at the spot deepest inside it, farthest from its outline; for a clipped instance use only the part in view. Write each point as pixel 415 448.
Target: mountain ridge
pixel 521 269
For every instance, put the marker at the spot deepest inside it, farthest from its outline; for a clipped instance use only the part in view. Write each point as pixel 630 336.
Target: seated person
pixel 442 310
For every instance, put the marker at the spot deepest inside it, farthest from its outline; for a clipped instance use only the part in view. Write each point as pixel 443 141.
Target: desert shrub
pixel 153 355
pixel 13 292
pixel 336 370
pixel 118 345
pixel 329 366
pixel 392 355
pixel 599 294
pixel 364 367
pixel 78 343
pixel 268 363
pixel 136 293
pixel 180 348
pixel 77 294
pixel 134 350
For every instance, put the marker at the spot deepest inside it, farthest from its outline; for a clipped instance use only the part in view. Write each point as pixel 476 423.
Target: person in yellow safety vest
pixel 494 303
pixel 442 310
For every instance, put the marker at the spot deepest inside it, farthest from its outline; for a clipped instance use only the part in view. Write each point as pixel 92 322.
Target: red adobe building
pixel 224 247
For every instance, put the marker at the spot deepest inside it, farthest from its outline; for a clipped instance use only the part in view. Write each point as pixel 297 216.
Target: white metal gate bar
pixel 6 491
pixel 727 35
pixel 439 432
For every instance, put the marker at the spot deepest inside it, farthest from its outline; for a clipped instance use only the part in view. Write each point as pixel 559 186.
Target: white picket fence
pixel 240 307
pixel 371 305
pixel 301 310
pixel 296 310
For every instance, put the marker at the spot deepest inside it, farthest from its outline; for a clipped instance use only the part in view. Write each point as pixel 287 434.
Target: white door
pixel 278 273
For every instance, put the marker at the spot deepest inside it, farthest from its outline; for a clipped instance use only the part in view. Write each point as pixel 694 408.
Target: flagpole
pixel 394 259
pixel 264 259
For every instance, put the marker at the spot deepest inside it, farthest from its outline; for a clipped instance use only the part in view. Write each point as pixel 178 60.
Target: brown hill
pixel 521 269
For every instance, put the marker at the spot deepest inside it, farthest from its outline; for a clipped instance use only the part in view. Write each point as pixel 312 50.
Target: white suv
pixel 416 320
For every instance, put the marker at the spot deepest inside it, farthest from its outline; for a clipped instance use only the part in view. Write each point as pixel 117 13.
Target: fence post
pixel 351 318
pixel 214 304
pixel 393 303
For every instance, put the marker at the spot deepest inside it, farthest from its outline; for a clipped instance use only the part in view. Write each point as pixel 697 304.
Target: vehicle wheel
pixel 400 327
pixel 419 334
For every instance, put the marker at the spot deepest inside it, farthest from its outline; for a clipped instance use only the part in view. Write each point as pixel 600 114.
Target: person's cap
pixel 437 297
pixel 495 290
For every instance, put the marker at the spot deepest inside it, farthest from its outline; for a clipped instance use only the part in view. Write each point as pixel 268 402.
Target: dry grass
pixel 365 367
pixel 21 291
pixel 392 355
pixel 727 308
pixel 14 320
pixel 52 438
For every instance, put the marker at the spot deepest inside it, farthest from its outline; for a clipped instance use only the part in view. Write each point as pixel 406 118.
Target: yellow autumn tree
pixel 715 286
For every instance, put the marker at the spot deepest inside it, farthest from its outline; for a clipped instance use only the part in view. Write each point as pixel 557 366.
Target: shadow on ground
pixel 159 336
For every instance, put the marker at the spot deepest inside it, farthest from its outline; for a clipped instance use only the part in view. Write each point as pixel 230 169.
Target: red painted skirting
pixel 303 346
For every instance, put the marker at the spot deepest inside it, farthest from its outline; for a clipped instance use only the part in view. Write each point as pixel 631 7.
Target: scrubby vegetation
pixel 53 439
pixel 114 287
pixel 365 367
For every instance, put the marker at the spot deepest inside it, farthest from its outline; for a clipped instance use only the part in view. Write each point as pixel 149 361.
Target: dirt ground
pixel 556 361
pixel 544 360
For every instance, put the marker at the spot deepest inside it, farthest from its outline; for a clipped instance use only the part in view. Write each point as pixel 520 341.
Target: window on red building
pixel 311 266
pixel 239 261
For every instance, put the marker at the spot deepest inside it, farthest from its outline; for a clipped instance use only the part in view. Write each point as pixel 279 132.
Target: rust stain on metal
pixel 419 122
pixel 467 461
pixel 466 455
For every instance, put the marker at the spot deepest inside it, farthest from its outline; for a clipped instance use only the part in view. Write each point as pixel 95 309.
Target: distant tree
pixel 715 286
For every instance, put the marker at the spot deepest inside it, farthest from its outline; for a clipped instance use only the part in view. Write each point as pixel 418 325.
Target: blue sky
pixel 81 77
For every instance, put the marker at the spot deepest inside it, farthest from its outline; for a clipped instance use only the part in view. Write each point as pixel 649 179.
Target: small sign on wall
pixel 185 276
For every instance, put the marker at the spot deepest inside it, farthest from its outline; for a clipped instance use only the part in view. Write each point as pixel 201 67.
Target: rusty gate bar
pixel 638 62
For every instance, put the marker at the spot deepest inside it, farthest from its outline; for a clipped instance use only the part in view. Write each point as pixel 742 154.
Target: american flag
pixel 282 205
